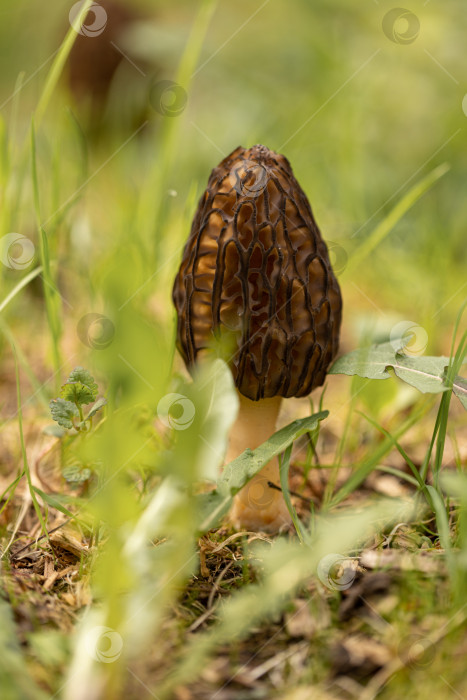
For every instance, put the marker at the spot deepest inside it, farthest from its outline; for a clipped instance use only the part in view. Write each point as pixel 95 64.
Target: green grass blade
pixel 441 438
pixel 454 335
pixel 8 135
pixel 51 295
pixel 38 386
pixel 53 502
pixel 455 363
pixel 330 486
pixel 284 466
pixel 395 215
pixel 362 471
pixel 151 208
pixel 442 524
pixel 4 500
pixel 418 480
pixel 399 474
pixel 58 64
pixel 17 288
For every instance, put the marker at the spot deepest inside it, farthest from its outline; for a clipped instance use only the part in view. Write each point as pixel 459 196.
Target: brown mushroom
pixel 256 268
pixel 96 59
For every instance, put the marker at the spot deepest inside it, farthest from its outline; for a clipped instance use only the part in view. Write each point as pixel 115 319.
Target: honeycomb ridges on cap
pixel 256 268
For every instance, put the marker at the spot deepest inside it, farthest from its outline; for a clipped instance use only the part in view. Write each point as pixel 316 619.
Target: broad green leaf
pixel 82 376
pixel 214 505
pixel 241 470
pixel 63 412
pixel 427 374
pixel 97 406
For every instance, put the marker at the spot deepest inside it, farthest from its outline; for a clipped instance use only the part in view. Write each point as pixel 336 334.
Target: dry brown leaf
pixel 302 622
pixel 359 654
pixel 67 540
pixel 428 563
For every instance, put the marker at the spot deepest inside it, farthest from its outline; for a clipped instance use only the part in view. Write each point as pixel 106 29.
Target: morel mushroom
pixel 256 268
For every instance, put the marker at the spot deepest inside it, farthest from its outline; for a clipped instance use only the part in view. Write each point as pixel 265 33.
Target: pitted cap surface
pixel 256 268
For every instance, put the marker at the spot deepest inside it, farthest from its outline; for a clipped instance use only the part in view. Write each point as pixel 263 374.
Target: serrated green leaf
pixel 427 374
pixel 97 406
pixel 63 412
pixel 76 473
pixel 82 376
pixel 77 392
pixel 79 374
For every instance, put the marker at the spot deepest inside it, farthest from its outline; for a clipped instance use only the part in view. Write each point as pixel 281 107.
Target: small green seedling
pixel 79 390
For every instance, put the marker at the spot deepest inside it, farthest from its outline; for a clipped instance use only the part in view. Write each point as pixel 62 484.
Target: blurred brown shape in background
pixel 109 85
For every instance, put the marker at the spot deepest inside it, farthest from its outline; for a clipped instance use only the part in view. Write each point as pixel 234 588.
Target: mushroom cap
pixel 256 268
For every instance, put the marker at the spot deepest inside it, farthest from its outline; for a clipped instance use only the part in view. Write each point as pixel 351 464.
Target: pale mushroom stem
pixel 257 506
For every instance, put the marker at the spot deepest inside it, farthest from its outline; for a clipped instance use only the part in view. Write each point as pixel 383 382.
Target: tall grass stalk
pixel 51 294
pixel 439 432
pixel 377 236
pixel 18 287
pixel 151 210
pixel 38 387
pixel 59 62
pixel 8 135
pixel 331 484
pixel 362 470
